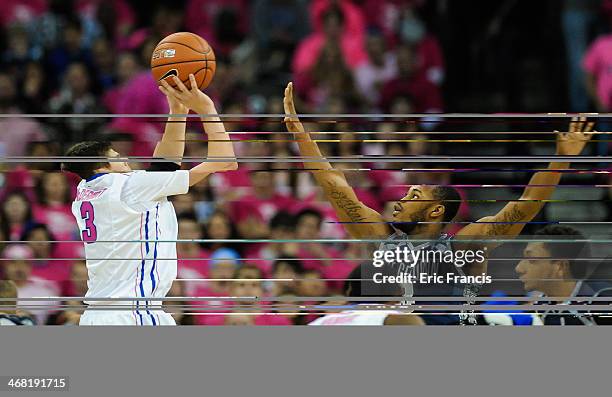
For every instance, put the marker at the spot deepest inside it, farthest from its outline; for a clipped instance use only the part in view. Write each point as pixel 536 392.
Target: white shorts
pixel 126 317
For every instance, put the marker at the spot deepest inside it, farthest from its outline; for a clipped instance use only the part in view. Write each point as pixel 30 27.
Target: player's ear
pixel 437 211
pixel 562 269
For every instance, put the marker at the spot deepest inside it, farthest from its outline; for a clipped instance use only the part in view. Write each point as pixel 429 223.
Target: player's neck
pixel 562 289
pixel 426 232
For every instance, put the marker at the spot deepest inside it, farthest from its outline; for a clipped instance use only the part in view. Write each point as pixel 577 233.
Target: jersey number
pixel 90 234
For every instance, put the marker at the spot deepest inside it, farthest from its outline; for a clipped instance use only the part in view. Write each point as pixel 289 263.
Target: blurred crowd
pixel 344 56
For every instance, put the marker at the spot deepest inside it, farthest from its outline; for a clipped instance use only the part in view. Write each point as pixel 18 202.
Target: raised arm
pixel 510 221
pixel 219 144
pixel 364 221
pixel 172 144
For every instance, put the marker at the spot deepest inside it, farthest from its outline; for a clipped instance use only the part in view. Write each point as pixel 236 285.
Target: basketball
pixel 181 54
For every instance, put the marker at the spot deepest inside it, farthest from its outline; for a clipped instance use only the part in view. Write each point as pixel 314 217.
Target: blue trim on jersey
pixel 142 268
pixel 153 283
pixel 91 178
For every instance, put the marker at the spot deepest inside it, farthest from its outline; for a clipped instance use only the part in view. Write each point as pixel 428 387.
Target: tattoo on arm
pixel 351 208
pixel 499 229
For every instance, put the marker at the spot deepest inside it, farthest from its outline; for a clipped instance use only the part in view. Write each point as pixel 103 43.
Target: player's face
pixel 117 166
pixel 416 206
pixel 536 267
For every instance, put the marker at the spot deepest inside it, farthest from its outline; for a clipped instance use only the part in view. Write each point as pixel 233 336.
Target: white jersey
pixel 355 317
pixel 123 220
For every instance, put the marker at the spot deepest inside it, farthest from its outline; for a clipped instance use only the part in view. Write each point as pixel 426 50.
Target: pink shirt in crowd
pixel 262 209
pixel 351 42
pixel 598 61
pixel 139 95
pixel 58 218
pixel 21 11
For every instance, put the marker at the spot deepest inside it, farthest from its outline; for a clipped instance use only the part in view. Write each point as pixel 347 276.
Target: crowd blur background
pixel 344 56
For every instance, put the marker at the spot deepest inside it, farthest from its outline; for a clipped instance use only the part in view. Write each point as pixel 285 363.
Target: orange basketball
pixel 182 54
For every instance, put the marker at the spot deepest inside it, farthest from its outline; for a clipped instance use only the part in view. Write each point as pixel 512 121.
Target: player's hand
pixel 291 120
pixel 174 105
pixel 193 98
pixel 573 142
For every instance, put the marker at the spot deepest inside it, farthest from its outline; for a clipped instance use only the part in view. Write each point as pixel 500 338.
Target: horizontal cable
pixel 475 308
pixel 300 159
pixel 493 238
pixel 298 259
pixel 316 298
pixel 322 115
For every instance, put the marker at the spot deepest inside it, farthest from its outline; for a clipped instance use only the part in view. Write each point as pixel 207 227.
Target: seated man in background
pixel 555 269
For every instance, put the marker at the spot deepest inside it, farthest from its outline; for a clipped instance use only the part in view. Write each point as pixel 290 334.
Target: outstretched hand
pixel 184 98
pixel 573 142
pixel 291 120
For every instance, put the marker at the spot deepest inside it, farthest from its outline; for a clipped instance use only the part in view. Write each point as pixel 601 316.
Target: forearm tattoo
pixel 349 206
pixel 507 221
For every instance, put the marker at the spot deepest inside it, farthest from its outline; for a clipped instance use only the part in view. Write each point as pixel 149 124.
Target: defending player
pixel 423 213
pixel 127 223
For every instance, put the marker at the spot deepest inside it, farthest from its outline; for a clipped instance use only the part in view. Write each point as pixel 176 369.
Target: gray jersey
pixel 429 264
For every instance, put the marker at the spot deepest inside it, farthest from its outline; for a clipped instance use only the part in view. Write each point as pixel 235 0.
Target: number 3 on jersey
pixel 89 234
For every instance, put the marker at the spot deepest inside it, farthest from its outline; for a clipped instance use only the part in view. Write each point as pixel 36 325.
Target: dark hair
pixel 86 149
pixel 4 224
pixel 283 219
pixel 569 249
pixel 294 263
pixel 450 198
pixel 40 190
pixel 27 233
pixel 309 211
pixel 359 285
pixel 333 11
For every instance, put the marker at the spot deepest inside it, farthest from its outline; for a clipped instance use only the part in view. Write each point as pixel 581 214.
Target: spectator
pixel 8 316
pixel 557 272
pixel 429 61
pixel 332 27
pixel 264 255
pixel 425 96
pixel 249 283
pixel 16 215
pixel 279 25
pixel 76 97
pixel 20 11
pixel 28 130
pixel 315 255
pixel 597 64
pixel 381 67
pixel 35 88
pixel 54 205
pixel 103 60
pixel 48 253
pixel 115 17
pixel 224 263
pixel 223 22
pixel 178 308
pixel 253 212
pixel 192 258
pixel 69 51
pixel 220 227
pixel 285 273
pixel 18 268
pixel 78 279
